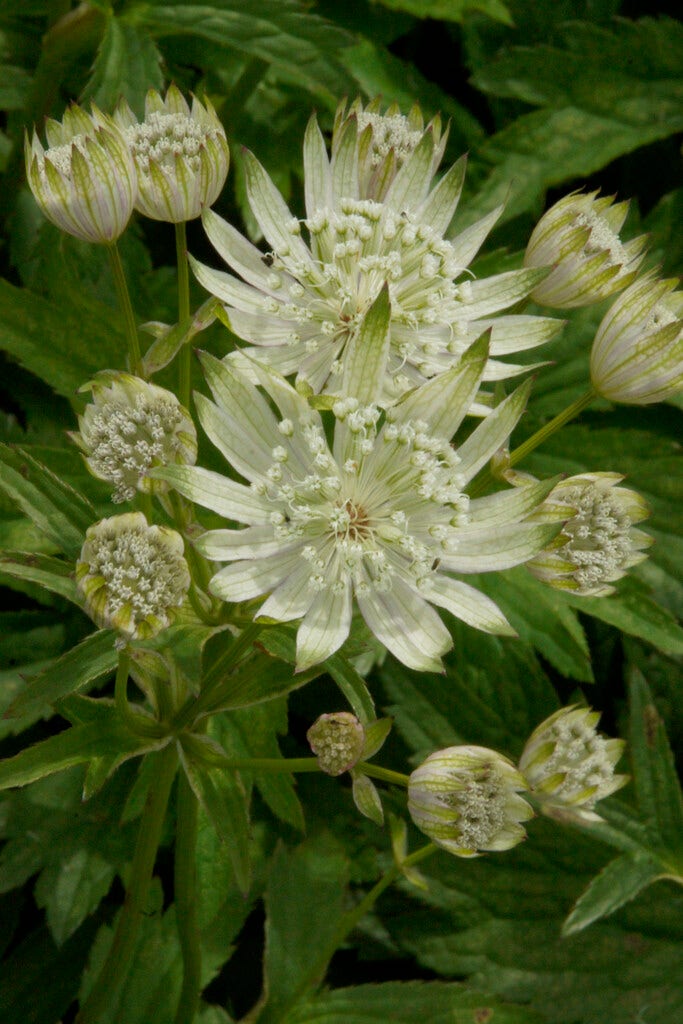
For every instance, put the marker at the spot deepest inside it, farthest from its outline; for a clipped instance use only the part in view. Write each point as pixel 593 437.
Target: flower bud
pixel 569 766
pixel 131 427
pixel 637 355
pixel 579 238
pixel 598 544
pixel 337 741
pixel 85 181
pixel 466 799
pixel 133 576
pixel 181 155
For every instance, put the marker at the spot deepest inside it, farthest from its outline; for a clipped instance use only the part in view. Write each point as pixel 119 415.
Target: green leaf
pixel 93 658
pixel 127 64
pixel 451 10
pixel 616 884
pixel 71 890
pixel 632 610
pixel 50 573
pixel 352 685
pixel 15 83
pixel 407 1002
pixel 55 508
pixel 304 902
pixel 81 343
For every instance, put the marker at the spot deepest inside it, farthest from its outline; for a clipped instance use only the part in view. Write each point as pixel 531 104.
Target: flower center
pixel 160 138
pixel 350 521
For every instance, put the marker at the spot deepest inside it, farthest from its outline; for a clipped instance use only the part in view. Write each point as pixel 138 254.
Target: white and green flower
pixel 569 766
pixel 302 303
pixel 133 576
pixel 637 354
pixel 181 155
pixel 598 543
pixel 467 800
pixel 85 181
pixel 380 515
pixel 130 428
pixel 579 238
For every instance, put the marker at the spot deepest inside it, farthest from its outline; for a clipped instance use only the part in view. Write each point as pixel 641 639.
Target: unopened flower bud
pixel 85 181
pixel 466 799
pixel 569 766
pixel 337 740
pixel 579 238
pixel 131 427
pixel 637 354
pixel 181 155
pixel 133 576
pixel 598 543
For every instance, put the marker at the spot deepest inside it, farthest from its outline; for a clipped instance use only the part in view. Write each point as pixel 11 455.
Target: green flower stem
pixel 553 425
pixel 186 901
pixel 115 968
pixel 375 771
pixel 134 354
pixel 184 364
pixel 136 721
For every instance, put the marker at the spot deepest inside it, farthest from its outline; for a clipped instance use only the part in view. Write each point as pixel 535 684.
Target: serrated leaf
pixel 451 10
pixel 127 64
pixel 632 610
pixel 71 890
pixel 49 573
pixel 619 882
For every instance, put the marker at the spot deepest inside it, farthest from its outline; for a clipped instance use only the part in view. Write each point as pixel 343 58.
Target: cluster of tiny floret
pixel 597 537
pixel 581 756
pixel 601 238
pixel 359 514
pixel 160 138
pixel 60 156
pixel 389 132
pixel 126 440
pixel 337 741
pixel 478 799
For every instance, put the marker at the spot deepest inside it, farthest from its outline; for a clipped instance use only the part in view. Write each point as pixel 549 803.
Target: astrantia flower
pixel 181 155
pixel 466 799
pixel 569 766
pixel 382 515
pixel 637 355
pixel 579 238
pixel 337 740
pixel 133 576
pixel 85 181
pixel 130 428
pixel 598 543
pixel 380 143
pixel 303 302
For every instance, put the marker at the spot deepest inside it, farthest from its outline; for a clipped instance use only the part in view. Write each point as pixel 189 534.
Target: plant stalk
pixel 187 901
pixel 134 354
pixel 184 356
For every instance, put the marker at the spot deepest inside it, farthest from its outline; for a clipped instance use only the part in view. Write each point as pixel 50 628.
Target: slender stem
pixel 270 764
pixel 554 424
pixel 186 901
pixel 375 771
pixel 138 723
pixel 117 963
pixel 184 356
pixel 134 354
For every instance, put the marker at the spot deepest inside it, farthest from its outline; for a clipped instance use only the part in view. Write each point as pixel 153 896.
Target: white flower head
pixel 133 576
pixel 381 514
pixel 302 303
pixel 181 155
pixel 637 354
pixel 569 766
pixel 598 543
pixel 85 181
pixel 130 428
pixel 337 740
pixel 579 238
pixel 467 800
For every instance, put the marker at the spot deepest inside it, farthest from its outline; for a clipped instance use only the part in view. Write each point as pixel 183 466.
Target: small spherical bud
pixel 85 181
pixel 466 799
pixel 598 542
pixel 337 741
pixel 637 354
pixel 181 155
pixel 131 427
pixel 133 576
pixel 569 766
pixel 579 238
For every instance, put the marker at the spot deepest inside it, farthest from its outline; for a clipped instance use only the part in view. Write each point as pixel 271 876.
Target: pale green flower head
pixel 130 428
pixel 181 155
pixel 301 304
pixel 637 354
pixel 337 739
pixel 85 181
pixel 467 800
pixel 133 576
pixel 381 142
pixel 598 543
pixel 379 515
pixel 579 238
pixel 569 766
